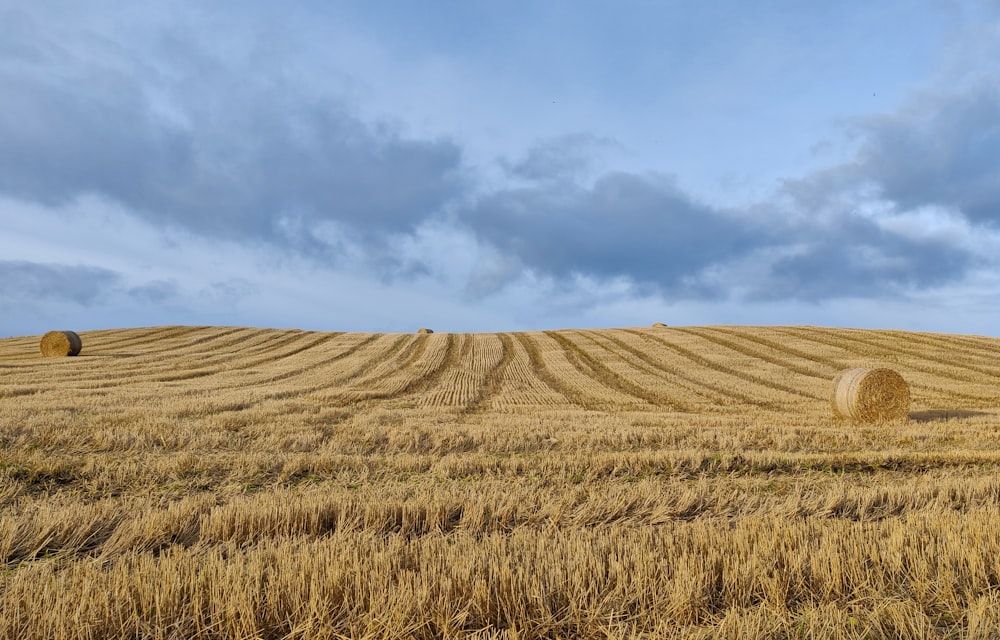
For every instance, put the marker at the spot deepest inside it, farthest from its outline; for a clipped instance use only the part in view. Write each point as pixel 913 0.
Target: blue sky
pixel 487 166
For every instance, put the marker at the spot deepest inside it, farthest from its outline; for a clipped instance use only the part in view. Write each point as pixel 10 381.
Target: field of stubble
pixel 218 482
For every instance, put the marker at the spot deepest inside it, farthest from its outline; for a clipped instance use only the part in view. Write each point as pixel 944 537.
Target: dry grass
pixel 212 482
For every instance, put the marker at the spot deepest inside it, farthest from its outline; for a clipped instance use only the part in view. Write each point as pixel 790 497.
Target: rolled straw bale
pixel 422 330
pixel 871 395
pixel 61 344
pixel 659 325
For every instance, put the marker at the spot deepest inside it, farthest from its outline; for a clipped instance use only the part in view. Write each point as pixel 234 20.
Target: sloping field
pixel 222 482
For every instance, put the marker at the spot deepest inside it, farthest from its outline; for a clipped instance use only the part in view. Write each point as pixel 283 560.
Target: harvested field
pixel 688 482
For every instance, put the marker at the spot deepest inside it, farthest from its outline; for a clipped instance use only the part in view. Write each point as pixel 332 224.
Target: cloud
pixel 857 258
pixel 641 227
pixel 941 151
pixel 566 157
pixel 230 292
pixel 29 281
pixel 156 292
pixel 227 147
pixel 242 140
pixel 813 241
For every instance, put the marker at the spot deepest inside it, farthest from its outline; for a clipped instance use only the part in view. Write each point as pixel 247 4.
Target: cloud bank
pixel 245 144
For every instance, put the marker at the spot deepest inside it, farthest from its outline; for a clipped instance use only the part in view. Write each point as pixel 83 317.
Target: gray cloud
pixel 809 242
pixel 856 258
pixel 247 150
pixel 230 291
pixel 565 157
pixel 643 229
pixel 83 285
pixel 639 227
pixel 942 151
pixel 155 292
pixel 226 149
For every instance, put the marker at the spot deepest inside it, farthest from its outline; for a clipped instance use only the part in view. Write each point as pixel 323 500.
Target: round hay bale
pixel 61 344
pixel 871 395
pixel 422 330
pixel 659 325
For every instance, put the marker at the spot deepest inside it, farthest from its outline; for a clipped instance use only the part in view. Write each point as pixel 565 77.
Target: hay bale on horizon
pixel 61 344
pixel 659 325
pixel 423 330
pixel 871 395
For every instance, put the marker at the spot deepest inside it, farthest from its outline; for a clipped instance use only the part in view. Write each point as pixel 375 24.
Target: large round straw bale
pixel 422 330
pixel 871 395
pixel 61 344
pixel 659 325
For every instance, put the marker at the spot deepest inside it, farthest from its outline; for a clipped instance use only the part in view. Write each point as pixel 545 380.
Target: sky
pixel 488 165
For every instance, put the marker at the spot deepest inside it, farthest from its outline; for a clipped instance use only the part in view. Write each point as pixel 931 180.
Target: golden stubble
pixel 690 482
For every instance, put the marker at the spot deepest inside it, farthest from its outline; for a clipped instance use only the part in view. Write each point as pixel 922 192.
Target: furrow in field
pixel 103 342
pixel 95 343
pixel 110 342
pixel 244 388
pixel 765 355
pixel 165 355
pixel 802 381
pixel 440 361
pixel 203 354
pixel 852 342
pixel 233 372
pixel 206 359
pixel 487 354
pixel 699 390
pixel 277 356
pixel 523 384
pixel 970 348
pixel 767 393
pixel 375 356
pixel 864 353
pixel 422 367
pixel 253 372
pixel 742 361
pixel 592 376
pixel 979 347
pixel 611 364
pixel 26 347
pixel 959 349
pixel 988 347
pixel 556 372
pixel 220 362
pixel 698 369
pixel 104 372
pixel 458 381
pixel 496 353
pixel 14 352
pixel 927 391
pixel 455 388
pixel 942 356
pixel 323 355
pixel 464 385
pixel 827 366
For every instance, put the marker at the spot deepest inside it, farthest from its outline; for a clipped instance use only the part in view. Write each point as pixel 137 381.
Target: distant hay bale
pixel 659 325
pixel 871 396
pixel 61 344
pixel 422 330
